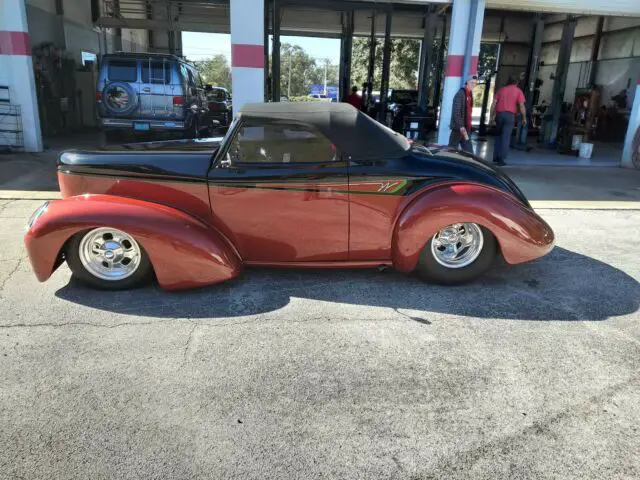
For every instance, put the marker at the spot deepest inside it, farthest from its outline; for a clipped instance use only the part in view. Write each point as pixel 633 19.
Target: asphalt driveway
pixel 534 372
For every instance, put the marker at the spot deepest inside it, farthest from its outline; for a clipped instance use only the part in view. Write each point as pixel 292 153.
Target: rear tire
pixel 438 263
pixel 195 131
pixel 114 136
pixel 90 253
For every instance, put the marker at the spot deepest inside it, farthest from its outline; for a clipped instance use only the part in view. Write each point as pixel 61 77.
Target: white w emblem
pixel 386 186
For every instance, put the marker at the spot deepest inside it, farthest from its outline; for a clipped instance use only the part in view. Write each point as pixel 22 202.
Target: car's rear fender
pixel 521 233
pixel 184 252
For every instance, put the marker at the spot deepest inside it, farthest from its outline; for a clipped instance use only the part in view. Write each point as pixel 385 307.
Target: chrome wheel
pixel 457 245
pixel 109 254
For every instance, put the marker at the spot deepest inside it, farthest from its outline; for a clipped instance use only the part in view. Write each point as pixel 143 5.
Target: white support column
pixel 247 52
pixel 467 17
pixel 634 125
pixel 16 69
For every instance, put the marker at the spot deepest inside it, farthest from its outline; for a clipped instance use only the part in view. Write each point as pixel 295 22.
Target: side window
pixel 156 72
pixel 123 70
pixel 281 142
pixel 185 74
pixel 192 79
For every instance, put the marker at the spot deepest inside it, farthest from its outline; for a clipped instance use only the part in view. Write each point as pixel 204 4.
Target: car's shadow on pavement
pixel 562 286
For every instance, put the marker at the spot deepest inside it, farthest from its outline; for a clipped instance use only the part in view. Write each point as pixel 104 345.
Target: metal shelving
pixel 11 133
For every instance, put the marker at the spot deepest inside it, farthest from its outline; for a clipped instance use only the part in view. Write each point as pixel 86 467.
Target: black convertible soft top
pixel 353 132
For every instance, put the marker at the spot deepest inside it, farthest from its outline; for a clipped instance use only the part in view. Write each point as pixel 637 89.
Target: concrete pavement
pixel 530 373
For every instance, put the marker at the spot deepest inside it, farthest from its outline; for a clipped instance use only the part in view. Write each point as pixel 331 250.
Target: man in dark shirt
pixel 461 117
pixel 354 99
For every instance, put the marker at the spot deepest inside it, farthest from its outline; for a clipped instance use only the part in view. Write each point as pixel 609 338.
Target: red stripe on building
pixel 251 56
pixel 474 65
pixel 14 43
pixel 455 65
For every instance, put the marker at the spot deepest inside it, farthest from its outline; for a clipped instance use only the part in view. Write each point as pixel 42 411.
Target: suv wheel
pixel 195 131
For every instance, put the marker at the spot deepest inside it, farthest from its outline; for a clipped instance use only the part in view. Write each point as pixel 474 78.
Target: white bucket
pixel 575 142
pixel 586 149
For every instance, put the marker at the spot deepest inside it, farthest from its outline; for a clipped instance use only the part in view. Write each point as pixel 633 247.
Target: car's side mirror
pixel 226 161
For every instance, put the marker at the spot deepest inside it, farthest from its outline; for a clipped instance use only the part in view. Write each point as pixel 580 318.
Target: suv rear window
pixel 160 72
pixel 123 70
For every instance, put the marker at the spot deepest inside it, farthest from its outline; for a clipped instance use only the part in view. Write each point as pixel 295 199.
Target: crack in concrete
pixel 547 425
pixel 200 323
pixel 76 324
pixel 11 273
pixel 5 205
pixel 187 345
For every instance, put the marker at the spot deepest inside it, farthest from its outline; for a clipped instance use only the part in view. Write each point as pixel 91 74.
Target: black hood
pixel 451 163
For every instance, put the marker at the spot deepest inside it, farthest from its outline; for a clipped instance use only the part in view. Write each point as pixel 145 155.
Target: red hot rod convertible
pixel 295 185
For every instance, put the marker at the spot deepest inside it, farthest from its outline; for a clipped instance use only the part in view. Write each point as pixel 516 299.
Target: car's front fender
pixel 521 233
pixel 184 251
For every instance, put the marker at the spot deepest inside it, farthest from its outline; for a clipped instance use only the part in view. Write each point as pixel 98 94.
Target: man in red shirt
pixel 461 117
pixel 506 103
pixel 355 99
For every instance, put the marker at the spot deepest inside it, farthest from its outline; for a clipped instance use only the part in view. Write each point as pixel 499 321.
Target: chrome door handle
pixel 146 89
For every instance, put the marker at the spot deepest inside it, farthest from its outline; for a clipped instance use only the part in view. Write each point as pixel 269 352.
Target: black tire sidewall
pixel 431 271
pixel 114 136
pixel 192 132
pixel 140 276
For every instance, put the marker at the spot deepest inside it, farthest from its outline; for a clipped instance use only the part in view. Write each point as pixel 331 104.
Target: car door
pixel 279 191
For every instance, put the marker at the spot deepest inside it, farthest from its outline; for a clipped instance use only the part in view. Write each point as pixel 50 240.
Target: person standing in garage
pixel 461 117
pixel 506 103
pixel 355 99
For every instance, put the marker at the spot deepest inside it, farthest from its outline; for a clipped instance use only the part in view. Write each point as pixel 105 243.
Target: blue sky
pixel 199 46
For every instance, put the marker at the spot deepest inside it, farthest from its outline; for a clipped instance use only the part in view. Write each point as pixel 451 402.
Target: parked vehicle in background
pixel 219 103
pixel 143 92
pixel 399 104
pixel 402 107
pixel 321 97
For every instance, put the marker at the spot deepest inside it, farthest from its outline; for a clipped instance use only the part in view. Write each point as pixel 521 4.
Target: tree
pixel 215 71
pixel 317 75
pixel 297 70
pixel 405 57
pixel 487 60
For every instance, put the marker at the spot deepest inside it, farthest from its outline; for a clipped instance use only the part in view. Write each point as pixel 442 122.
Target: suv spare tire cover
pixel 119 98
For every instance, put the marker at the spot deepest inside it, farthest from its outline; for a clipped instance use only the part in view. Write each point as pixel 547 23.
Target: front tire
pixel 108 259
pixel 457 254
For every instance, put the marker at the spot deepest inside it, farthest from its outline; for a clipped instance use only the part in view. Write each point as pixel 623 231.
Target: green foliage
pixel 405 58
pixel 304 98
pixel 487 60
pixel 215 71
pixel 298 70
